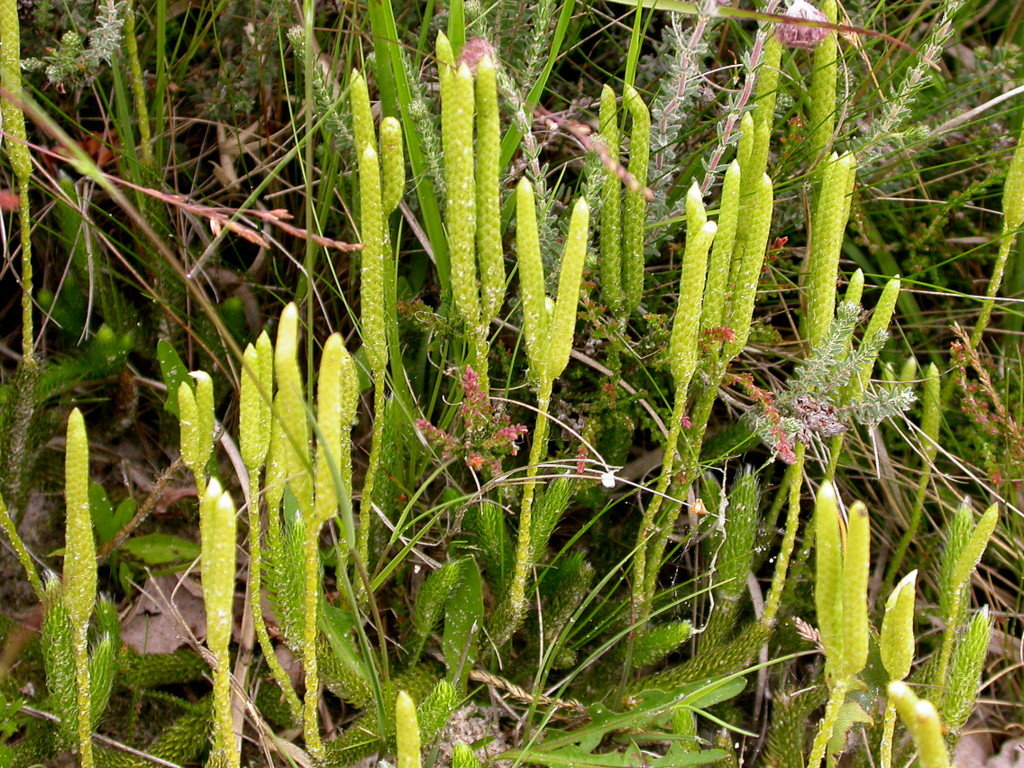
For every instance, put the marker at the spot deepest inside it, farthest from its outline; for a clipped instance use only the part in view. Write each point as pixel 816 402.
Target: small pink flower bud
pixel 474 50
pixel 802 35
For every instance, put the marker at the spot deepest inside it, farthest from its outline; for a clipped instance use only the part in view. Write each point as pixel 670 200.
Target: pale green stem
pixel 836 699
pixel 888 726
pixel 84 698
pixel 914 523
pixel 771 607
pixel 27 327
pixel 310 721
pixel 366 513
pixel 255 599
pixel 131 47
pixel 538 454
pixel 7 523
pixel 225 730
pixel 948 636
pixel 641 578
pixel 1005 245
pixel 834 452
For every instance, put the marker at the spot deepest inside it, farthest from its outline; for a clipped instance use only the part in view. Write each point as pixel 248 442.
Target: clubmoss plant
pixel 921 719
pixel 965 545
pixel 634 207
pixel 377 199
pixel 623 223
pixel 549 334
pixel 611 206
pixel 683 347
pixel 490 255
pixel 290 408
pixel 457 108
pixel 217 523
pixel 840 594
pixel 255 427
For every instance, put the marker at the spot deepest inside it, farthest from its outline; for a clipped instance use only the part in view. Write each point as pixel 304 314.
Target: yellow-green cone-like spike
pixel 767 84
pixel 896 642
pixel 206 423
pixel 855 288
pixel 611 207
pixel 634 213
pixel 255 410
pixel 746 146
pixel 1013 191
pixel 329 408
pixel 563 321
pixel 349 409
pixel 720 262
pixel 531 277
pixel 457 108
pixel 923 723
pixel 393 160
pixel 443 49
pixel 291 410
pixel 746 273
pixel 828 580
pixel 879 322
pixel 683 344
pixel 829 221
pixel 490 256
pixel 362 114
pixel 217 525
pixel 407 731
pixel 374 257
pixel 764 107
pixel 80 544
pixel 971 554
pixel 822 117
pixel 253 433
pixel 856 570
